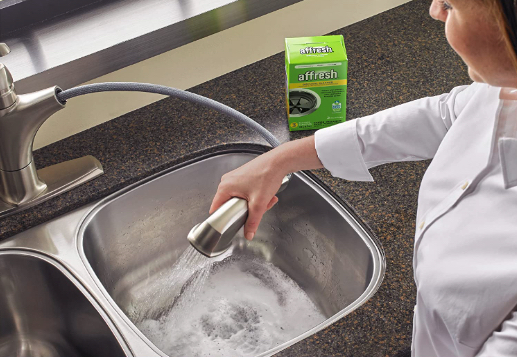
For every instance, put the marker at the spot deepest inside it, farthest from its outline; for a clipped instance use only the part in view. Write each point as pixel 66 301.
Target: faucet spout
pixel 19 124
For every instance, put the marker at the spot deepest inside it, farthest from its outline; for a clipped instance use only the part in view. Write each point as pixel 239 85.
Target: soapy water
pixel 237 307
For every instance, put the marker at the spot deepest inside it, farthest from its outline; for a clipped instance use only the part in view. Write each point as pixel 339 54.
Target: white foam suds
pixel 244 308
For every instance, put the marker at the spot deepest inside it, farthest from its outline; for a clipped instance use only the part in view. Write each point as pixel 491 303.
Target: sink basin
pixel 134 243
pixel 44 314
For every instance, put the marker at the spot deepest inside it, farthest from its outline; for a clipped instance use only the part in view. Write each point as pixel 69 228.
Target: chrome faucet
pixel 21 185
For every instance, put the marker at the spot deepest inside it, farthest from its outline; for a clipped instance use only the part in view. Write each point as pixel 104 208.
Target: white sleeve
pixel 502 343
pixel 408 132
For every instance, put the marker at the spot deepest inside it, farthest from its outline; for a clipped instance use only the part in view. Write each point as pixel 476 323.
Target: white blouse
pixel 465 254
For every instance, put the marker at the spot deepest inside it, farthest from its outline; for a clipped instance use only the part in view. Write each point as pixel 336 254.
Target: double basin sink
pixel 77 285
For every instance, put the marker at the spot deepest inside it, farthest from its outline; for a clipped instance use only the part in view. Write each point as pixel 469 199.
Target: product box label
pixel 316 81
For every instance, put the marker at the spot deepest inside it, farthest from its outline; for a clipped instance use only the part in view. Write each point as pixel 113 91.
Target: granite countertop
pixel 394 57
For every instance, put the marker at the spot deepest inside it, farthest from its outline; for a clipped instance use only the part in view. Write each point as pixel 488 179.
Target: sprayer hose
pixel 172 92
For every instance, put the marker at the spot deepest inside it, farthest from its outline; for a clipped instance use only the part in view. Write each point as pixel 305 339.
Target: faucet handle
pixel 7 94
pixel 4 50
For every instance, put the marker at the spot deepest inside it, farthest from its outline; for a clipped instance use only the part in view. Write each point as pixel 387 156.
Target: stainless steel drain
pixel 303 102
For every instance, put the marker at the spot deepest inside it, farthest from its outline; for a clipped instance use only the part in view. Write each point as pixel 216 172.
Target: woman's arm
pixel 408 132
pixel 411 131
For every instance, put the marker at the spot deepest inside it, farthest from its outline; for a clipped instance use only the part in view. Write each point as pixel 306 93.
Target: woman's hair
pixel 504 12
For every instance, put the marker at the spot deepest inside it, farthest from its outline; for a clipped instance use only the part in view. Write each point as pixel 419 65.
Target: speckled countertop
pixel 394 57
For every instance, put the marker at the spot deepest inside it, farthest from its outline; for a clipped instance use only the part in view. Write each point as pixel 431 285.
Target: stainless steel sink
pixel 91 274
pixel 44 312
pixel 133 238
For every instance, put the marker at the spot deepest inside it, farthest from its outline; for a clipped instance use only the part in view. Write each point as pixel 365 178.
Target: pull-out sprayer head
pixel 215 235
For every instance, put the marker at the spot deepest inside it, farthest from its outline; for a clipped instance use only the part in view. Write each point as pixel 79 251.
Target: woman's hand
pixel 259 180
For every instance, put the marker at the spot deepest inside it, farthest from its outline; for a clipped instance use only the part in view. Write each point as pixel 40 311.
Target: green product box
pixel 316 80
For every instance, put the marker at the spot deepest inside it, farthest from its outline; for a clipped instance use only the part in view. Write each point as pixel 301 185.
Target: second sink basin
pixel 135 245
pixel 44 312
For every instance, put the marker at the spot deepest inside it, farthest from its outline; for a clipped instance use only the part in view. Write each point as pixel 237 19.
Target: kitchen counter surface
pixel 394 57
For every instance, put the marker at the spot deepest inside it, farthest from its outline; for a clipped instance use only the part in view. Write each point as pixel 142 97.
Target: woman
pixel 465 258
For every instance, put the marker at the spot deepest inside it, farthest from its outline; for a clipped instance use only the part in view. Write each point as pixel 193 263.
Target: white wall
pixel 183 67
